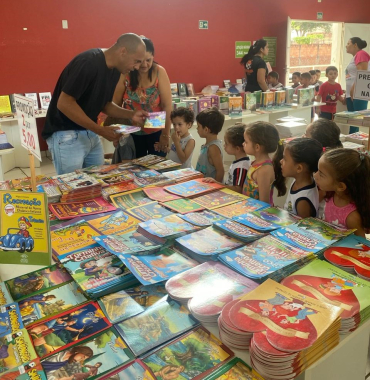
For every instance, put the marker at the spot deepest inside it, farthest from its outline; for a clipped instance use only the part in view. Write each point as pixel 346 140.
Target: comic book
pixel 192 188
pixel 152 210
pixel 242 207
pixel 127 303
pixel 115 222
pixel 183 205
pixel 93 357
pixel 159 194
pixel 158 324
pixel 130 243
pixel 204 218
pixel 73 209
pixel 116 189
pixel 219 198
pixel 267 219
pixel 132 371
pixel 5 297
pixel 30 371
pixel 179 357
pixel 24 228
pixel 151 269
pixel 61 331
pixel 37 307
pixel 266 257
pixel 237 230
pixel 155 120
pixel 10 319
pixel 38 281
pixel 129 199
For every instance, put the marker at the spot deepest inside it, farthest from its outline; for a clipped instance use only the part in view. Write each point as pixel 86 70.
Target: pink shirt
pixel 337 215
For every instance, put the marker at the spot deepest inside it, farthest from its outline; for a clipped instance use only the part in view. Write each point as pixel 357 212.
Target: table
pixel 4 152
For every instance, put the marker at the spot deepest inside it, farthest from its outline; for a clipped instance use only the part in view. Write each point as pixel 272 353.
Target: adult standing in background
pixel 255 67
pixel 147 88
pixel 84 89
pixel 360 61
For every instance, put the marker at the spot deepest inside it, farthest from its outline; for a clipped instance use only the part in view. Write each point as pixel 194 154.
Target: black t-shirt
pixel 251 68
pixel 87 79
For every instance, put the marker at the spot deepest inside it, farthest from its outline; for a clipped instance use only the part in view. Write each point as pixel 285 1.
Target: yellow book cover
pixel 5 104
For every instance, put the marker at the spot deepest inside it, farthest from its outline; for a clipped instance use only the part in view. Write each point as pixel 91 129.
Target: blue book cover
pixel 203 218
pixel 10 319
pixel 152 210
pixel 242 207
pixel 195 187
pixel 232 228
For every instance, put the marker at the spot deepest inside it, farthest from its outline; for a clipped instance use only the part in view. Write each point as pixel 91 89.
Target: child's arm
pixel 183 155
pixel 264 177
pixel 304 208
pixel 353 221
pixel 318 98
pixel 215 159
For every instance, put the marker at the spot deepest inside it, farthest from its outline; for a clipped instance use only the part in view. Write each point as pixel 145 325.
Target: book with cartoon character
pixel 148 160
pixel 158 324
pixel 234 369
pixel 90 358
pixel 117 188
pixel 165 166
pixel 155 120
pixel 242 207
pixel 5 297
pixel 203 218
pixel 152 210
pixel 159 194
pixel 237 230
pixel 30 371
pixel 184 175
pixel 151 269
pixel 129 199
pixel 219 198
pixel 24 228
pixel 193 188
pixel 132 371
pixel 127 303
pixel 10 319
pixel 183 205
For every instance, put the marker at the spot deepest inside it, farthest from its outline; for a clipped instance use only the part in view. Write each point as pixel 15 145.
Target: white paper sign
pixel 362 85
pixel 45 98
pixel 27 125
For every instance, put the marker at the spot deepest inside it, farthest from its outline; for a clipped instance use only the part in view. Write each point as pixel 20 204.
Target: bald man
pixel 84 89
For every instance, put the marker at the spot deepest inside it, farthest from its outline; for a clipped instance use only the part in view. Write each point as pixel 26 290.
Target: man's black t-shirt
pixel 87 79
pixel 251 68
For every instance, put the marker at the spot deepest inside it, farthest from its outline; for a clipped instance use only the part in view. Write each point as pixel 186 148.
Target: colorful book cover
pixel 61 331
pixel 305 96
pixel 125 129
pixel 5 297
pixel 159 194
pixel 73 209
pixel 235 369
pixel 200 345
pixel 267 219
pixel 289 95
pixel 106 192
pixel 204 103
pixel 29 371
pixel 158 324
pixel 37 307
pixel 134 371
pixel 76 181
pixel 235 106
pixel 10 319
pixel 231 228
pixel 5 106
pixel 250 101
pixel 242 207
pixel 69 237
pixel 130 243
pixel 117 179
pixel 193 188
pixel 84 253
pixel 155 120
pixel 24 228
pixel 152 210
pixel 291 320
pixel 149 159
pixel 204 218
pixel 130 302
pixel 16 350
pixel 116 222
pixel 224 105
pixel 151 269
pixel 268 99
pixel 165 165
pixel 38 281
pixel 280 98
pixel 183 174
pixel 219 198
pixel 183 205
pixel 89 359
pixel 129 199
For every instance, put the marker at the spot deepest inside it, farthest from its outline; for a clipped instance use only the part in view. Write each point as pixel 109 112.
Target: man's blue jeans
pixel 75 149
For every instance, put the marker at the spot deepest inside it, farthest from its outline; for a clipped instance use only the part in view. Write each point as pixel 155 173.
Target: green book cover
pixel 251 101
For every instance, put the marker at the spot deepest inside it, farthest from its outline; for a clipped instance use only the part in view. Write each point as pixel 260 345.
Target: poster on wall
pixel 241 48
pixel 271 57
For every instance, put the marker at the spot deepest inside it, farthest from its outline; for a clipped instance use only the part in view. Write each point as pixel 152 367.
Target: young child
pixel 273 81
pixel 344 174
pixel 326 132
pixel 233 145
pixel 296 76
pixel 318 76
pixel 300 159
pixel 330 92
pixel 305 80
pixel 210 122
pixel 183 142
pixel 260 139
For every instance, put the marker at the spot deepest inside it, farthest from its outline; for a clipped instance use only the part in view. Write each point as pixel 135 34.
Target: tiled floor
pixel 46 168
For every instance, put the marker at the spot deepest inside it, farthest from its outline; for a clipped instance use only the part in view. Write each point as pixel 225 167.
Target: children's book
pixel 10 319
pixel 205 350
pixel 242 207
pixel 235 369
pixel 237 230
pixel 268 99
pixel 193 188
pixel 130 243
pixel 235 106
pixel 160 180
pixel 5 297
pixel 80 255
pixel 158 324
pixel 159 194
pixel 149 211
pixel 219 198
pixel 91 358
pixel 38 281
pixel 250 101
pixel 115 222
pixel 125 129
pixel 155 120
pixel 130 302
pixel 184 175
pixel 32 370
pixel 289 95
pixel 164 166
pixel 5 106
pixel 61 331
pixel 107 191
pixel 129 199
pixel 132 371
pixel 73 209
pixel 148 160
pixel 267 219
pixel 202 219
pixel 24 228
pixel 52 302
pixel 183 205
pixel 151 269
pixel 280 98
pixel 224 105
pixel 305 96
pixel 204 103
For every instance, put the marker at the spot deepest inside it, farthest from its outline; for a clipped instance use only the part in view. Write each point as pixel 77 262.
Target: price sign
pixel 362 85
pixel 27 125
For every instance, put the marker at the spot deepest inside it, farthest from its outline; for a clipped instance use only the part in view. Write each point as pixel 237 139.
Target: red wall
pixel 31 61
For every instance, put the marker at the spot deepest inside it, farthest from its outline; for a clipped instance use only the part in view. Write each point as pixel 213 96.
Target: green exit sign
pixel 203 24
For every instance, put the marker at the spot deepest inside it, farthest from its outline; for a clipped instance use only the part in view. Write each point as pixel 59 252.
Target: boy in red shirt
pixel 330 92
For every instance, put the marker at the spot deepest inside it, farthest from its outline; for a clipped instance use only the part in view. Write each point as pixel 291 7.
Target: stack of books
pixel 359 118
pixel 358 138
pixel 237 230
